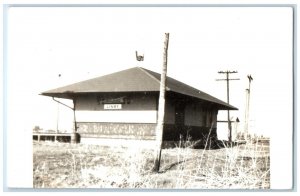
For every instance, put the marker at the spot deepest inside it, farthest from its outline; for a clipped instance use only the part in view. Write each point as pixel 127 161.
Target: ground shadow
pixel 216 144
pixel 172 165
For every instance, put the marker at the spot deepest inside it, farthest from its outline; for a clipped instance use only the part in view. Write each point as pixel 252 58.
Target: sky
pixel 80 43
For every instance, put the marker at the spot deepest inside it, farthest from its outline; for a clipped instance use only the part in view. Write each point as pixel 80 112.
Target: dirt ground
pixel 64 165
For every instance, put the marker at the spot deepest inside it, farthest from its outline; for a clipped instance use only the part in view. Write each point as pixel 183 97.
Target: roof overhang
pixel 64 95
pixel 73 95
pixel 220 105
pixel 134 80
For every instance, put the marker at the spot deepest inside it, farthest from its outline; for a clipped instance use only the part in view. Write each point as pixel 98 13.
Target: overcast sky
pixel 82 43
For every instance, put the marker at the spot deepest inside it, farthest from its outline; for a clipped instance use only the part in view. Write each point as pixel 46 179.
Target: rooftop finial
pixel 139 57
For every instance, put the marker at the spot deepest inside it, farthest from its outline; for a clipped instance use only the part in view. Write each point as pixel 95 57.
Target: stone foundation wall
pixel 143 131
pixel 117 130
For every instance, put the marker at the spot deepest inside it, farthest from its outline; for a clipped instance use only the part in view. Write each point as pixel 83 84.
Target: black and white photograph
pixel 150 97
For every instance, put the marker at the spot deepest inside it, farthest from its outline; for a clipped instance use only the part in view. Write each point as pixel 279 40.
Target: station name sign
pixel 112 106
pixel 115 100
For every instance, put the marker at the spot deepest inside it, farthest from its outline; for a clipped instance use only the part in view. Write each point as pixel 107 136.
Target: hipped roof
pixel 135 79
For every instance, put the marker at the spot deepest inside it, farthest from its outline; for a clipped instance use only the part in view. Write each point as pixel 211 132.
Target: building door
pixel 179 114
pixel 179 121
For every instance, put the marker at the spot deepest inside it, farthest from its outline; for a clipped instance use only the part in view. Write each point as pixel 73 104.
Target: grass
pixel 64 165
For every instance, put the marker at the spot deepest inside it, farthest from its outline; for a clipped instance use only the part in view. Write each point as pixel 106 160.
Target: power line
pixel 227 81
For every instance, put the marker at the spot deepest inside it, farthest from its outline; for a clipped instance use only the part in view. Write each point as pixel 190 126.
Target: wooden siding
pixel 137 108
pixel 169 113
pixel 134 101
pixel 194 115
pixel 137 118
pixel 198 115
pixel 117 116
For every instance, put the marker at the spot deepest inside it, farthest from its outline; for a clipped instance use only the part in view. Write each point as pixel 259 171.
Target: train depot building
pixel 124 106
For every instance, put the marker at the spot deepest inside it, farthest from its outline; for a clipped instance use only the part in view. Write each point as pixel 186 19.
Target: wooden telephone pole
pixel 228 114
pixel 161 106
pixel 247 108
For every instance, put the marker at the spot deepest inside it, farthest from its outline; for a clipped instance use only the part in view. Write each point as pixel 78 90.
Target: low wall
pixel 92 132
pixel 137 131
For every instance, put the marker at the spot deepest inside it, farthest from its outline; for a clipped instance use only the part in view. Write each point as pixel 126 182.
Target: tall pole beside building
pixel 161 106
pixel 74 135
pixel 228 114
pixel 246 131
pixel 57 117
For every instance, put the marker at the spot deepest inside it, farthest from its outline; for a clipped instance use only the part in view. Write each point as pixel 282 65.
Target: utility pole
pixel 57 118
pixel 161 106
pixel 74 133
pixel 228 114
pixel 247 107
